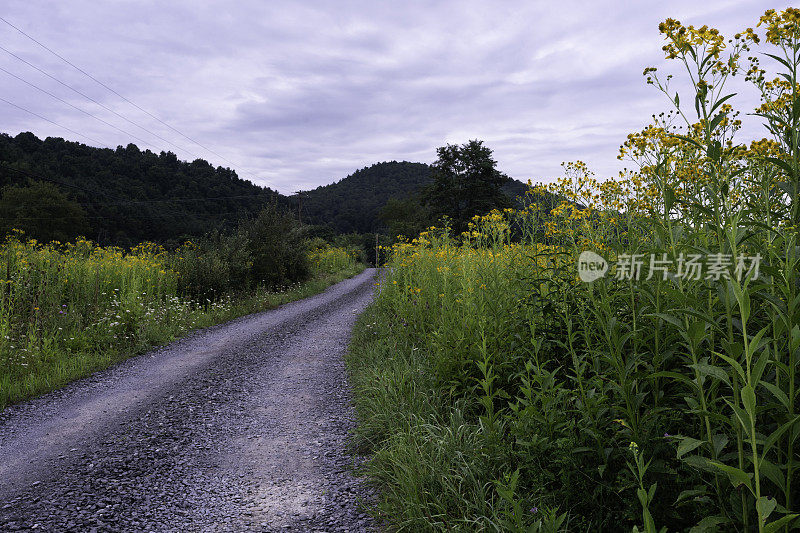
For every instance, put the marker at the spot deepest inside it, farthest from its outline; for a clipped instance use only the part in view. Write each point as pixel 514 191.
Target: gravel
pixel 238 427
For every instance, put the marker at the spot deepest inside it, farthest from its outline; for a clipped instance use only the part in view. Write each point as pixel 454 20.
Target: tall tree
pixel 466 183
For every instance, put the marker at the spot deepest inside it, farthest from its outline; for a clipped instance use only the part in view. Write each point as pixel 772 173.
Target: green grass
pixel 431 462
pixel 497 392
pixel 53 363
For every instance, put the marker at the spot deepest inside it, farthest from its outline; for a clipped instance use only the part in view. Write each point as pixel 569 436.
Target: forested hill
pixel 129 195
pixel 124 196
pixel 353 203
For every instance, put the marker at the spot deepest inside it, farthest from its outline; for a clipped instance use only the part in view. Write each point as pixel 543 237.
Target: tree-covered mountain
pixel 353 204
pixel 126 195
pixel 129 195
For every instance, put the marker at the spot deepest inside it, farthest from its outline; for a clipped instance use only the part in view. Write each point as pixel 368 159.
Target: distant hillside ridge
pixel 130 195
pixel 352 204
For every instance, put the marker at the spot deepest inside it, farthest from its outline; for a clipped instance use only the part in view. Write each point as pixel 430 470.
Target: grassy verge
pixel 430 459
pixel 49 365
pixel 626 361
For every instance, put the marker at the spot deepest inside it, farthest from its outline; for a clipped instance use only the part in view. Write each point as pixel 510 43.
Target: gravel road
pixel 238 427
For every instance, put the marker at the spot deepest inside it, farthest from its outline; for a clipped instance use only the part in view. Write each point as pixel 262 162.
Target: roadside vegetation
pixel 67 310
pixel 496 391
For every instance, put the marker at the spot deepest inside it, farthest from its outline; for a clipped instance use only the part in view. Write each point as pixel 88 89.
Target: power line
pixel 48 93
pixel 99 143
pixel 127 100
pixel 110 110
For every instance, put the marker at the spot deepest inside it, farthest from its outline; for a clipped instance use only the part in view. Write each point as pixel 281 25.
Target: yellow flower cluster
pixel 783 27
pixel 682 39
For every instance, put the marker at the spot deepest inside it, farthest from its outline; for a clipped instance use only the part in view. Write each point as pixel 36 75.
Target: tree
pixel 465 183
pixel 406 216
pixel 43 212
pixel 276 246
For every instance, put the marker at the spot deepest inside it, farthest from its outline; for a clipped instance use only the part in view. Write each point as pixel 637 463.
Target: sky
pixel 293 95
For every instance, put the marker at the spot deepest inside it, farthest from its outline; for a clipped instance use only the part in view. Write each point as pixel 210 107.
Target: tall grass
pixel 332 259
pixel 67 310
pixel 499 392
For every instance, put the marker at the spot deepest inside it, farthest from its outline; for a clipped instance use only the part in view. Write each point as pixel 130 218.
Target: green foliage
pixel 353 204
pixel 383 198
pixel 465 184
pixel 68 310
pixel 214 265
pixel 648 404
pixel 269 250
pixel 405 217
pixel 275 242
pixel 41 211
pixel 132 195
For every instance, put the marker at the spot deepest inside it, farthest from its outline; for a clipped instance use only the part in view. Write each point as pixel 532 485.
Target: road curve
pixel 238 427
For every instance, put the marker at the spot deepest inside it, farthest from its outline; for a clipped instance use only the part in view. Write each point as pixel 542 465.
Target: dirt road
pixel 239 427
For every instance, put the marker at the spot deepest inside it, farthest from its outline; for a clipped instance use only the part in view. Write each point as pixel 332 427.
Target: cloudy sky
pixel 298 94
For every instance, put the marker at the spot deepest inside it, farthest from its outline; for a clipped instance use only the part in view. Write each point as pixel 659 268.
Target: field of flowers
pixel 498 391
pixel 68 310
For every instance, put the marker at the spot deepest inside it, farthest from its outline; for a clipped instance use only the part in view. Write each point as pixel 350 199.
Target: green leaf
pixel 722 101
pixel 669 199
pixel 642 494
pixel 755 342
pixel 686 445
pixel 773 473
pixel 737 476
pixel 761 364
pixel 675 321
pixel 734 363
pixel 673 375
pixel 690 494
pixel 709 523
pixel 786 187
pixel 716 120
pixel 777 392
pixel 782 164
pixel 741 415
pixel 697 330
pixel 779 60
pixel 714 151
pixel 711 370
pixel 765 505
pixel 775 435
pixel 700 462
pixel 772 527
pixel 719 441
pixel 749 401
pixel 743 299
